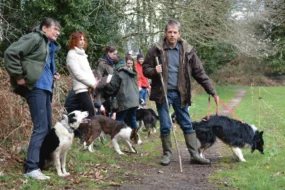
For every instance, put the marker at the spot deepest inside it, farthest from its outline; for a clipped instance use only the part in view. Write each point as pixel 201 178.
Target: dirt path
pixel 193 177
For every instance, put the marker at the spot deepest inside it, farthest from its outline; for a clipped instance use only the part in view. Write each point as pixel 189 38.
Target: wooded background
pixel 222 31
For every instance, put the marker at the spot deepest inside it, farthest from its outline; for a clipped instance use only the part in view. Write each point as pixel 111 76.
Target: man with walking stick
pixel 177 63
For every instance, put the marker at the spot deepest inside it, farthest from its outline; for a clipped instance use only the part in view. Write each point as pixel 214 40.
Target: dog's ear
pixel 261 133
pixel 71 118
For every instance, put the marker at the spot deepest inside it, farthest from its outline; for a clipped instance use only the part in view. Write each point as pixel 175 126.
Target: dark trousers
pixel 86 103
pixel 129 115
pixel 39 102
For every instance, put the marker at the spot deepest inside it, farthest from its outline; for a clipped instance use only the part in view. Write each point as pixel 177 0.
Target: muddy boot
pixel 191 143
pixel 167 152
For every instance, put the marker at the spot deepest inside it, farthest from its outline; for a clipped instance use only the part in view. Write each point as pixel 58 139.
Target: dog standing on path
pixel 101 125
pixel 232 132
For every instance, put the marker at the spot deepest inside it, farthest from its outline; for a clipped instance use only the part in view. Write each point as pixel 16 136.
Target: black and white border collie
pixel 148 117
pixel 232 132
pixel 59 140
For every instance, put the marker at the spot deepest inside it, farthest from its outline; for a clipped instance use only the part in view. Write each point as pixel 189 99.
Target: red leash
pixel 231 111
pixel 217 109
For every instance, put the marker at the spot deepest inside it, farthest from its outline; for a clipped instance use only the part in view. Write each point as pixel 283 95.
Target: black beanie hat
pixel 139 56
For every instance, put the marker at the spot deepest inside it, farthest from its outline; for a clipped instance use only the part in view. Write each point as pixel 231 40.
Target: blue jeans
pixel 129 115
pixel 143 93
pixel 39 102
pixel 182 114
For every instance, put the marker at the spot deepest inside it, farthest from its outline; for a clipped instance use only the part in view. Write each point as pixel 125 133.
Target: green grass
pixel 259 172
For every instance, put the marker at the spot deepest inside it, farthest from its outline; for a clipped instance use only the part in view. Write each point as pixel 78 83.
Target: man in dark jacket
pixel 31 66
pixel 178 62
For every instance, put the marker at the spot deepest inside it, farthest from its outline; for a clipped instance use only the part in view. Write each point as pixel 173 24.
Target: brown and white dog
pixel 100 126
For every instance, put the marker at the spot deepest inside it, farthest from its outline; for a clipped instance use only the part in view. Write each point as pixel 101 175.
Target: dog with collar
pixel 101 125
pixel 59 140
pixel 232 132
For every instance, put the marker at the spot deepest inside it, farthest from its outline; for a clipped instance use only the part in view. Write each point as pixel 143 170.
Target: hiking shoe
pixel 36 174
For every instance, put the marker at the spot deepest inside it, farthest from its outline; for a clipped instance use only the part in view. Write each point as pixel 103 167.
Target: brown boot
pixel 191 143
pixel 167 152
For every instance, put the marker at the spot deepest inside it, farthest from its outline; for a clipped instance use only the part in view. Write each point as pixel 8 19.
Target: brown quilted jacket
pixel 189 65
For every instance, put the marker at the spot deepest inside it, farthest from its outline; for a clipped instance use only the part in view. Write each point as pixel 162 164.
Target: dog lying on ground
pixel 232 132
pixel 149 118
pixel 58 141
pixel 100 125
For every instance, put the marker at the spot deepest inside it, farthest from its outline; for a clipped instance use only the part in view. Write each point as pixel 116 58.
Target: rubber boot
pixel 191 143
pixel 167 152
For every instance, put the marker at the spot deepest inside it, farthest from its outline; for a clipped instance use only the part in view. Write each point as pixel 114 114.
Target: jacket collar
pixel 43 34
pixel 80 51
pixel 162 45
pixel 122 66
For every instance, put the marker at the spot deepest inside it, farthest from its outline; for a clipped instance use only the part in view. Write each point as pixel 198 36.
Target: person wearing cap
pixel 142 80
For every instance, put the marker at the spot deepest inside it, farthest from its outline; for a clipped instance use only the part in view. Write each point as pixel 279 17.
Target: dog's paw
pixel 61 174
pixel 66 174
pixel 90 148
pixel 135 152
pixel 84 145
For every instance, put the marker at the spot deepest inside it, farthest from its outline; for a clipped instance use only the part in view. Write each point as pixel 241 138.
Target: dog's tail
pixel 153 113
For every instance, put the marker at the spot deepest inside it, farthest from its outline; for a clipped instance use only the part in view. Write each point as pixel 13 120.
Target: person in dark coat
pixel 124 86
pixel 178 63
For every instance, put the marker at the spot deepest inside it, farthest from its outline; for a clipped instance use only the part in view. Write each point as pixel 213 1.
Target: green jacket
pixel 26 58
pixel 124 85
pixel 104 67
pixel 189 66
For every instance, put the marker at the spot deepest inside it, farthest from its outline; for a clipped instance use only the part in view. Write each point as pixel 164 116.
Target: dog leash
pixel 230 110
pixel 217 109
pixel 91 94
pixel 209 105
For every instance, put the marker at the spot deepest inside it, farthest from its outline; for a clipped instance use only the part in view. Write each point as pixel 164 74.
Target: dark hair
pixel 117 59
pixel 75 38
pixel 109 48
pixel 172 22
pixel 128 57
pixel 47 22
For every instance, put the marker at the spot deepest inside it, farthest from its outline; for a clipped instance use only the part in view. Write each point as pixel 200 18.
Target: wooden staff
pixel 174 134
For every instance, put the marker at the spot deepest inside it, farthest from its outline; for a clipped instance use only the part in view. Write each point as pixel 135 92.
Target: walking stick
pixel 174 134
